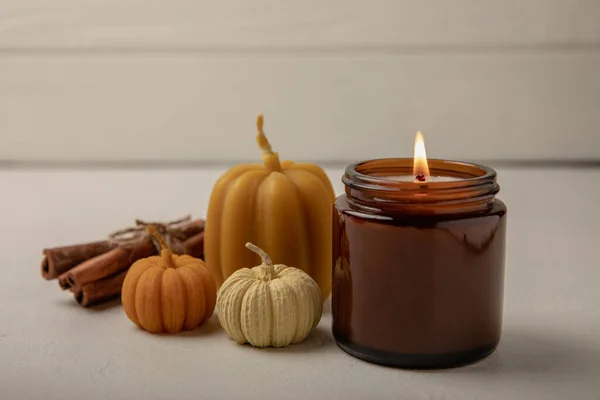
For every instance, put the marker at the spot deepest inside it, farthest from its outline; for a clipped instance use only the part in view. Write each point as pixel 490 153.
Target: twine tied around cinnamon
pixel 170 231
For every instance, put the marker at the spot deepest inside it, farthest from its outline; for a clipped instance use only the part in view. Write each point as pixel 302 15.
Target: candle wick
pixel 420 178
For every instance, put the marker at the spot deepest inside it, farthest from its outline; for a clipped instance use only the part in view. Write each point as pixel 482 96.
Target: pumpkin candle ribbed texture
pixel 282 206
pixel 168 293
pixel 269 305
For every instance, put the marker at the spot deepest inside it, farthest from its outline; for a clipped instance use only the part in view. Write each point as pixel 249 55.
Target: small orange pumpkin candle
pixel 168 293
pixel 283 207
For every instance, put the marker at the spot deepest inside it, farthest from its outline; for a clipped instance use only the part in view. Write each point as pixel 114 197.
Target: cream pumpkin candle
pixel 269 305
pixel 282 206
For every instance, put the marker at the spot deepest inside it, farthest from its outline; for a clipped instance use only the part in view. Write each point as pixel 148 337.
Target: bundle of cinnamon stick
pixel 94 272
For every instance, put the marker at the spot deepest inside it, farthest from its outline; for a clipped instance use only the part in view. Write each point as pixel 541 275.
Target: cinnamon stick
pixel 95 271
pixel 106 288
pixel 58 260
pixel 107 264
pixel 194 246
pixel 192 228
pixel 121 258
pixel 100 290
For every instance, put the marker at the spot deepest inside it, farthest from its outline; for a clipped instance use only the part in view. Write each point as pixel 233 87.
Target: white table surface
pixel 50 348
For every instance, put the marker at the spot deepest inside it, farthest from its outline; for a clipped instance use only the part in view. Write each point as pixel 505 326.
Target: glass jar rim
pixel 467 175
pixel 369 188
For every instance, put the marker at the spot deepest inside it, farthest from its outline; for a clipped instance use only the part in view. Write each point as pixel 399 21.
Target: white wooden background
pixel 182 80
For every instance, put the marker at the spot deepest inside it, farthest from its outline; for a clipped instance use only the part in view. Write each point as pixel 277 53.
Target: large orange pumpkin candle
pixel 282 206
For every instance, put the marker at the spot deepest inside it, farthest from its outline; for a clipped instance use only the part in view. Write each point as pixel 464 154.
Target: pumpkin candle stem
pixel 268 267
pixel 165 253
pixel 270 158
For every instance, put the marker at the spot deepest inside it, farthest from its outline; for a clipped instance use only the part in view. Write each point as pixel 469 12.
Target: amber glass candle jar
pixel 418 274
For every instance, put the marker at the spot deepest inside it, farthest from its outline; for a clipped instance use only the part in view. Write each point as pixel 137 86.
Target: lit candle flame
pixel 420 167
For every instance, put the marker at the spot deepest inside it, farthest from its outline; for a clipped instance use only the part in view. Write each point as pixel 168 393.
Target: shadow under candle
pixel 525 352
